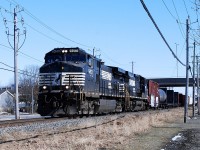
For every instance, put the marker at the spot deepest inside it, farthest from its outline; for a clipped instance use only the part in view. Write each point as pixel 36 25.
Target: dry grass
pixel 110 136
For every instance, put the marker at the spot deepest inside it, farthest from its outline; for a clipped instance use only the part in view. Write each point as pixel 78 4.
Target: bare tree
pixel 28 85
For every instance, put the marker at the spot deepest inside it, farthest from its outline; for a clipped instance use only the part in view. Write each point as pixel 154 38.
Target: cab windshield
pixel 75 57
pixel 53 58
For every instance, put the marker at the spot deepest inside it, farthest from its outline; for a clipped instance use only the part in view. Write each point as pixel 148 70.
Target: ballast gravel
pixel 80 123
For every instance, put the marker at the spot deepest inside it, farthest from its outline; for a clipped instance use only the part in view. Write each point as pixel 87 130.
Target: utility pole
pixel 16 66
pixel 32 99
pixel 193 90
pixel 197 58
pixel 187 68
pixel 198 103
pixel 176 60
pixel 15 47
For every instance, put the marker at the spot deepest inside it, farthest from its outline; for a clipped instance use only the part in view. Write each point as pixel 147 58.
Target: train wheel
pixel 70 109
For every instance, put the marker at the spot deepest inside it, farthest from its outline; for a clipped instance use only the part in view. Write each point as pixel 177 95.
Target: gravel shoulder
pixel 139 130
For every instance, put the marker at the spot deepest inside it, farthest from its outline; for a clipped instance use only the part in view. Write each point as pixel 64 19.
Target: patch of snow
pixel 22 116
pixel 4 113
pixel 177 137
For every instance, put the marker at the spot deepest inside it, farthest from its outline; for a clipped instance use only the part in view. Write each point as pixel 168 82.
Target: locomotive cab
pixel 62 80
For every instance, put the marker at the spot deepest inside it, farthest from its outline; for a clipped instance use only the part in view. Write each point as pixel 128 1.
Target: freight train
pixel 74 82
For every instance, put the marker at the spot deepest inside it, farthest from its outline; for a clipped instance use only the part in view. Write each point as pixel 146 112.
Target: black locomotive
pixel 74 82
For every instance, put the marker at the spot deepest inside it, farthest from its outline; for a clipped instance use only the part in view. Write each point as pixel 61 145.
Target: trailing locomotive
pixel 72 82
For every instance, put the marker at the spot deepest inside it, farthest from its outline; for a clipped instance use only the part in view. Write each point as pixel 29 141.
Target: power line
pixel 22 72
pixel 52 30
pixel 176 10
pixel 112 59
pixel 7 32
pixel 28 74
pixel 186 7
pixel 7 69
pixel 6 65
pixel 49 28
pixel 22 53
pixel 5 46
pixel 144 6
pixel 178 20
pixel 19 70
pixel 196 10
pixel 31 57
pixel 174 18
pixel 46 35
pixel 169 10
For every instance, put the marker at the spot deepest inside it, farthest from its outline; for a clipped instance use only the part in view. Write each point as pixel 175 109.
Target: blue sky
pixel 121 31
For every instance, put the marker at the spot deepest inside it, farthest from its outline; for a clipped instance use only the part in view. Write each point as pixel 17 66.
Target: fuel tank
pixel 107 105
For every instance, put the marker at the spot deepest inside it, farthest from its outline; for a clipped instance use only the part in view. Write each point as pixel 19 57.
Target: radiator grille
pixel 64 78
pixel 73 78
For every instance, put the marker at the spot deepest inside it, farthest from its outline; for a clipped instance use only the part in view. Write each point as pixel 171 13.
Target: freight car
pixel 162 98
pixel 73 82
pixel 181 100
pixel 153 94
pixel 169 99
pixel 176 99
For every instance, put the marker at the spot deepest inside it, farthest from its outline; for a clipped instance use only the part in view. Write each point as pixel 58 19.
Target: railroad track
pixel 20 122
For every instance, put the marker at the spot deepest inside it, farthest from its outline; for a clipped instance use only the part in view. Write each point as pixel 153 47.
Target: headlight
pixel 67 87
pixel 44 87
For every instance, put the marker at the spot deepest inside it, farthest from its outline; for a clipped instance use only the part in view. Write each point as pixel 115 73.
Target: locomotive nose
pixel 61 76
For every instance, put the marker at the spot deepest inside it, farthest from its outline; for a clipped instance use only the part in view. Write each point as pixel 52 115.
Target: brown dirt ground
pixel 138 131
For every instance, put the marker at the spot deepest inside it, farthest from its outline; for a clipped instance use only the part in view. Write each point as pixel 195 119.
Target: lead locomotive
pixel 74 82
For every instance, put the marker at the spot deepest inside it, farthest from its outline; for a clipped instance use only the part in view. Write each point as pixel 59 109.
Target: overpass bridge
pixel 173 82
